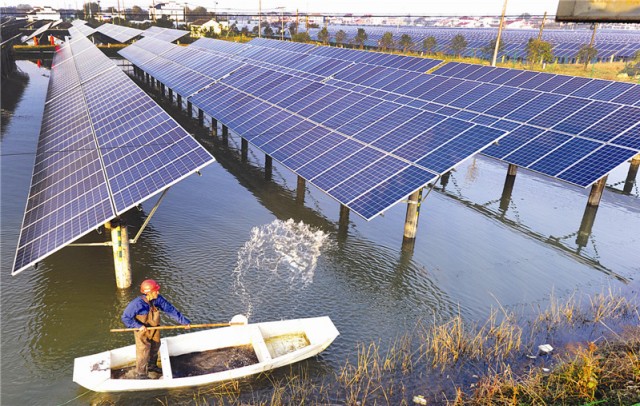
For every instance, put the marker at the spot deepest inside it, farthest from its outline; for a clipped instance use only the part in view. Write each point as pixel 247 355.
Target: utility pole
pixel 259 18
pixel 593 40
pixel 495 51
pixel 544 18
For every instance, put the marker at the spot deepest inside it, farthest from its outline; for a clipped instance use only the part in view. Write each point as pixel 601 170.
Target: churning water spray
pixel 279 257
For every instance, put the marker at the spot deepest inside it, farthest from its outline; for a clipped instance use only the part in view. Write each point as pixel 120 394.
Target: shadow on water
pixel 13 87
pixel 506 203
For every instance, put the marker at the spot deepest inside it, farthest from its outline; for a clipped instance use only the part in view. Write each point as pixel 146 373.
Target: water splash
pixel 282 255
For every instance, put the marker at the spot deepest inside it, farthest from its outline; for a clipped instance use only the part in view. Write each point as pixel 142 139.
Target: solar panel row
pixel 502 99
pixel 325 134
pixel 104 147
pixel 119 33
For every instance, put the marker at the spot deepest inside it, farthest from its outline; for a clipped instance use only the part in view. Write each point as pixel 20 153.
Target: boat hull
pixel 275 344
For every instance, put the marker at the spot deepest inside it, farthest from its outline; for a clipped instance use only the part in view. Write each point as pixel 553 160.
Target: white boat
pixel 208 356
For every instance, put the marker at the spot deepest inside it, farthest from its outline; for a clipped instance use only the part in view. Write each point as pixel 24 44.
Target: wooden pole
pixel 631 175
pixel 596 192
pixel 495 50
pixel 593 39
pixel 301 190
pixel 120 244
pixel 413 211
pixel 544 17
pixel 513 170
pixel 268 167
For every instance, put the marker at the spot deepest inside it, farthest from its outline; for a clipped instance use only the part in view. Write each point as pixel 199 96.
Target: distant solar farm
pixel 619 45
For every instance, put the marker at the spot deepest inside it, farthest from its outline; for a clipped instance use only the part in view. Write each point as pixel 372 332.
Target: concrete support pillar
pixel 189 109
pixel 214 126
pixel 162 89
pixel 344 215
pixel 179 101
pixel 631 175
pixel 225 134
pixel 153 82
pixel 148 79
pixel 268 167
pixel 200 117
pixel 244 150
pixel 171 95
pixel 122 264
pixel 413 211
pixel 444 179
pixel 301 190
pixel 596 192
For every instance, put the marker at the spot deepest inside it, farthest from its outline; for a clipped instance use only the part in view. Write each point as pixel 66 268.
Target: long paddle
pixel 237 320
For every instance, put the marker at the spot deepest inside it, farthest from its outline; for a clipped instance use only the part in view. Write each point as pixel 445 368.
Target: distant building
pixel 43 13
pixel 171 11
pixel 199 28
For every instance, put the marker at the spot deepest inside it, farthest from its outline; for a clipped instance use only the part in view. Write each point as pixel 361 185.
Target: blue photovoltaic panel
pixel 565 156
pixel 531 109
pixel 585 117
pixel 459 148
pixel 630 138
pixel 367 178
pixel 104 147
pixel 558 112
pixel 387 193
pixel 616 123
pixel 432 139
pixel 408 131
pixel 346 168
pixel 329 158
pixel 364 103
pixel 512 141
pixel 539 146
pixel 596 165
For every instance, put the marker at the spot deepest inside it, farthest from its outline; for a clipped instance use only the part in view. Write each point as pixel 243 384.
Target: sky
pixel 393 7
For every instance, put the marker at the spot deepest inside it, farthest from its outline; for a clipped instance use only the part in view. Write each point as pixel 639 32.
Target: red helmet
pixel 149 285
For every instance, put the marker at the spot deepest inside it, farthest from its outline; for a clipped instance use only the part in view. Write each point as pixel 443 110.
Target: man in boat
pixel 143 312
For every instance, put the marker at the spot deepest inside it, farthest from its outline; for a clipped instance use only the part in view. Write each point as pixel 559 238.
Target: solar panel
pixel 118 32
pixel 363 104
pixel 104 147
pixel 164 34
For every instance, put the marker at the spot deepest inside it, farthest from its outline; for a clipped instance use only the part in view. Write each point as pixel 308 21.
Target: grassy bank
pixel 595 361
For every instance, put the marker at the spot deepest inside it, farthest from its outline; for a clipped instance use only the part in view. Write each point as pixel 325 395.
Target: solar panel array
pixel 365 152
pixel 104 147
pixel 516 101
pixel 164 34
pixel 373 102
pixel 80 27
pixel 119 33
pixel 566 43
pixel 575 129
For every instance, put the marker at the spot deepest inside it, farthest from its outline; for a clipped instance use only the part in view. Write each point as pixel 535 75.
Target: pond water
pixel 231 242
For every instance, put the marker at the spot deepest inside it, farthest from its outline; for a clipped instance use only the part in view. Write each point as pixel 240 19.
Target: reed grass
pixel 458 363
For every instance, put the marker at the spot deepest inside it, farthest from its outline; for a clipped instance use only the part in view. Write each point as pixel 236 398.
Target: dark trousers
pixel 147 346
